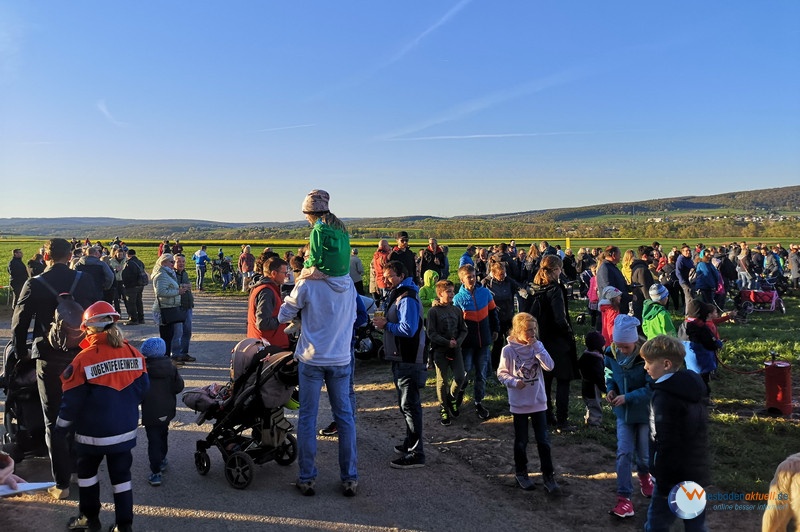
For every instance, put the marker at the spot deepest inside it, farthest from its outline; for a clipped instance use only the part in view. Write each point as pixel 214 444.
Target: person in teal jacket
pixel 655 316
pixel 628 392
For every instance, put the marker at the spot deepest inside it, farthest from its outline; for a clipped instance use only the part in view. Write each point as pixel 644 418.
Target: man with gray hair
pixel 97 270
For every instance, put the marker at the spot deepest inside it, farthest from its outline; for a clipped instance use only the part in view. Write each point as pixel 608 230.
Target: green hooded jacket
pixel 427 294
pixel 656 320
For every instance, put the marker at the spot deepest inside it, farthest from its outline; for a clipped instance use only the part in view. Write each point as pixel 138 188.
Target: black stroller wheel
pixel 748 307
pixel 202 462
pixel 286 454
pixel 239 469
pixel 781 306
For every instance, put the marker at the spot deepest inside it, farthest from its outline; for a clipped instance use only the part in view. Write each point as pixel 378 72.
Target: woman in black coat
pixel 549 306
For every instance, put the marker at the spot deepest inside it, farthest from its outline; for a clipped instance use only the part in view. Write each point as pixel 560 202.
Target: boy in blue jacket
pixel 483 324
pixel 628 392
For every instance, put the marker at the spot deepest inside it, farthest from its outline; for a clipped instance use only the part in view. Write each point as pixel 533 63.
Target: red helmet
pixel 95 315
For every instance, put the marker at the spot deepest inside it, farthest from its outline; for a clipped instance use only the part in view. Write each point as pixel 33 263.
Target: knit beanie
pixel 594 341
pixel 153 347
pixel 316 201
pixel 610 292
pixel 658 292
pixel 625 329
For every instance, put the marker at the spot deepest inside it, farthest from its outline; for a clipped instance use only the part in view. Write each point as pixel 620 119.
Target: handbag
pixel 170 315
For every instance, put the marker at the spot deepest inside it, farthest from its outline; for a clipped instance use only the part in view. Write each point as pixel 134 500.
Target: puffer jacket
pixel 166 288
pixel 158 406
pixel 626 376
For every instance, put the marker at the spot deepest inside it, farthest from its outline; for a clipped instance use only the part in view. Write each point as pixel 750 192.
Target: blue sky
pixel 233 111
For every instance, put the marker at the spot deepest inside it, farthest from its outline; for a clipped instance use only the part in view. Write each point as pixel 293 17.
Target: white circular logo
pixel 687 499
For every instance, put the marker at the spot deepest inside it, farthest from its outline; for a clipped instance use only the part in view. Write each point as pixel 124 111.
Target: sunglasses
pixel 403 240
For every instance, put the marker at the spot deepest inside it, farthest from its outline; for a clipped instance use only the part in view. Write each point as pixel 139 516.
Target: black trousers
pixel 133 303
pixel 157 446
pixel 48 378
pixel 562 397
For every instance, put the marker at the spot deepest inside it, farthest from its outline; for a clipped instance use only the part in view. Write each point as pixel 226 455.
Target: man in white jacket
pixel 323 355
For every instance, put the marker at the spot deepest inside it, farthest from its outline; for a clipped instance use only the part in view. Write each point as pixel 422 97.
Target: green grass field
pixel 746 444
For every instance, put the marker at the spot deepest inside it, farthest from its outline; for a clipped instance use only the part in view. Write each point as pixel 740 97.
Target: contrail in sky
pixel 284 128
pixel 360 78
pixel 478 104
pixel 493 136
pixel 439 23
pixel 101 106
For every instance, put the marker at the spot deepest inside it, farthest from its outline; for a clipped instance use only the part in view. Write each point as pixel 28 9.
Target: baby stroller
pixel 23 417
pixel 249 423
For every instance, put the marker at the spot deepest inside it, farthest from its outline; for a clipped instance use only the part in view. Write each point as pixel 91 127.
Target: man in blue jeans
pixel 403 344
pixel 201 259
pixel 323 355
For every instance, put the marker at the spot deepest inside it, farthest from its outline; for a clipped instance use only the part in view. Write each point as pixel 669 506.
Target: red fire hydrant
pixel 778 381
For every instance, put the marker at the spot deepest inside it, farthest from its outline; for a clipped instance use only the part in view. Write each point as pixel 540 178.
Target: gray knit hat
pixel 316 201
pixel 658 292
pixel 625 329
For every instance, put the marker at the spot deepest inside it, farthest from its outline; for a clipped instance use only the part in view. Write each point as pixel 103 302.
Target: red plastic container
pixel 778 381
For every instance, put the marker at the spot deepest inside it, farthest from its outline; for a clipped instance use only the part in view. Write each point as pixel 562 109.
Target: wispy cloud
pixel 101 106
pixel 479 104
pixel 435 26
pixel 361 77
pixel 283 128
pixel 12 34
pixel 493 136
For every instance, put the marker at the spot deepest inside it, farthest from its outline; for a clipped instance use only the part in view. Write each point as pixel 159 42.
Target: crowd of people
pixel 507 318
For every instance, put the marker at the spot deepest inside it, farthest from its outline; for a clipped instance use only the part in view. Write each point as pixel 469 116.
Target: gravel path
pixel 446 495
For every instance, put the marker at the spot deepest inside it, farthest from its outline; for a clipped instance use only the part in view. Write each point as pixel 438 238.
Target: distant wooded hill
pixel 773 212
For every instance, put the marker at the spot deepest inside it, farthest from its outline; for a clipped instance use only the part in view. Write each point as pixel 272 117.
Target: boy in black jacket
pixel 680 447
pixel 158 407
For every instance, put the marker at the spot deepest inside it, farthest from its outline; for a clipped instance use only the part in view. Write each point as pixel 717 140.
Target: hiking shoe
pixel 177 361
pixel 646 482
pixel 330 430
pixel 306 487
pixel 409 461
pixel 58 493
pixel 524 481
pixel 481 411
pixel 84 523
pixel 164 465
pixel 188 358
pixel 445 417
pixel 349 488
pixel 121 528
pixel 624 507
pixel 401 449
pixel 454 408
pixel 154 479
pixel 564 427
pixel 130 322
pixel 551 486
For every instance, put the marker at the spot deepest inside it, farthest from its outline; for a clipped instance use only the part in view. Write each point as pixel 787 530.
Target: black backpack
pixel 65 331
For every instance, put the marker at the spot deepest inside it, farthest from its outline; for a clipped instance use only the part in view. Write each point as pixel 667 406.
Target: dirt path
pixel 467 484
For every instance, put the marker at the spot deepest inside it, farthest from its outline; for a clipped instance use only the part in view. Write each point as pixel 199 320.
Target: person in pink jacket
pixel 522 362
